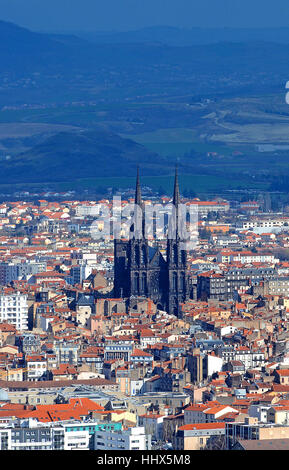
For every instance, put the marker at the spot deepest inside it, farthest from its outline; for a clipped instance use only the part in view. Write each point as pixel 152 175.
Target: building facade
pixel 143 271
pixel 14 310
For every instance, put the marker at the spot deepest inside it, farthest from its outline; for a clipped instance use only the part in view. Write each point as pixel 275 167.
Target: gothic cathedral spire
pixel 138 199
pixel 176 197
pixel 139 216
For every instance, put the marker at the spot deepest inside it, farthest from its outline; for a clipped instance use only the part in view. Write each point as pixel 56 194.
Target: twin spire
pixel 174 221
pixel 176 196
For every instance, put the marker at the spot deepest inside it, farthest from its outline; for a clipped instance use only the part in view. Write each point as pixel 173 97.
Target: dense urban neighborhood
pixel 94 356
pixel 144 230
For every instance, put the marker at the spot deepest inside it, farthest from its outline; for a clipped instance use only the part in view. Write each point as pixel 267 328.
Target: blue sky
pixel 92 15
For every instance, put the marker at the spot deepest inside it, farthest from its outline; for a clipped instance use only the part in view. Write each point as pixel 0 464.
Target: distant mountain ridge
pixel 185 37
pixel 22 50
pixel 125 86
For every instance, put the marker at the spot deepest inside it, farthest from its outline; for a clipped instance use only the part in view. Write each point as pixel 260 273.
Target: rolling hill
pixel 70 155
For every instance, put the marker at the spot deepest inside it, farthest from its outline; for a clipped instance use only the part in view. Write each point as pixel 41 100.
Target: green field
pixel 85 115
pixel 178 142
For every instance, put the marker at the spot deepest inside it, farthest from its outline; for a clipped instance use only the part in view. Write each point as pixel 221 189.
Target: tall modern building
pixel 14 310
pixel 8 273
pixel 141 270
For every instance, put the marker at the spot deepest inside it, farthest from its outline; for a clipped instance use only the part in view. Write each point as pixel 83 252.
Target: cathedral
pixel 141 270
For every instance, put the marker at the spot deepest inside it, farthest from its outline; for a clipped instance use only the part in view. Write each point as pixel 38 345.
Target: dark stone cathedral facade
pixel 141 270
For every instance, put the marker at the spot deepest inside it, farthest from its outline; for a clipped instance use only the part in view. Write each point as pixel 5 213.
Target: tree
pixel 215 443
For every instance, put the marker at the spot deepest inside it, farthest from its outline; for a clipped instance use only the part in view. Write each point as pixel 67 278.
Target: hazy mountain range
pixel 186 37
pixel 22 50
pixel 142 80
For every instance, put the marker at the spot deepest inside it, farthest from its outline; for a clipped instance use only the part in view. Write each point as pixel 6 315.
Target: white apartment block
pixel 36 367
pixel 204 207
pixel 36 436
pixel 88 210
pixel 245 257
pixel 14 310
pixel 265 223
pixel 249 358
pixel 128 439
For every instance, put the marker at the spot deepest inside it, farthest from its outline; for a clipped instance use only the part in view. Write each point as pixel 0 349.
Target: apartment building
pixel 251 429
pixel 36 367
pixel 118 351
pixel 36 436
pixel 265 223
pixel 249 358
pixel 204 207
pixel 125 439
pixel 196 436
pixel 66 352
pixel 14 310
pixel 211 285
